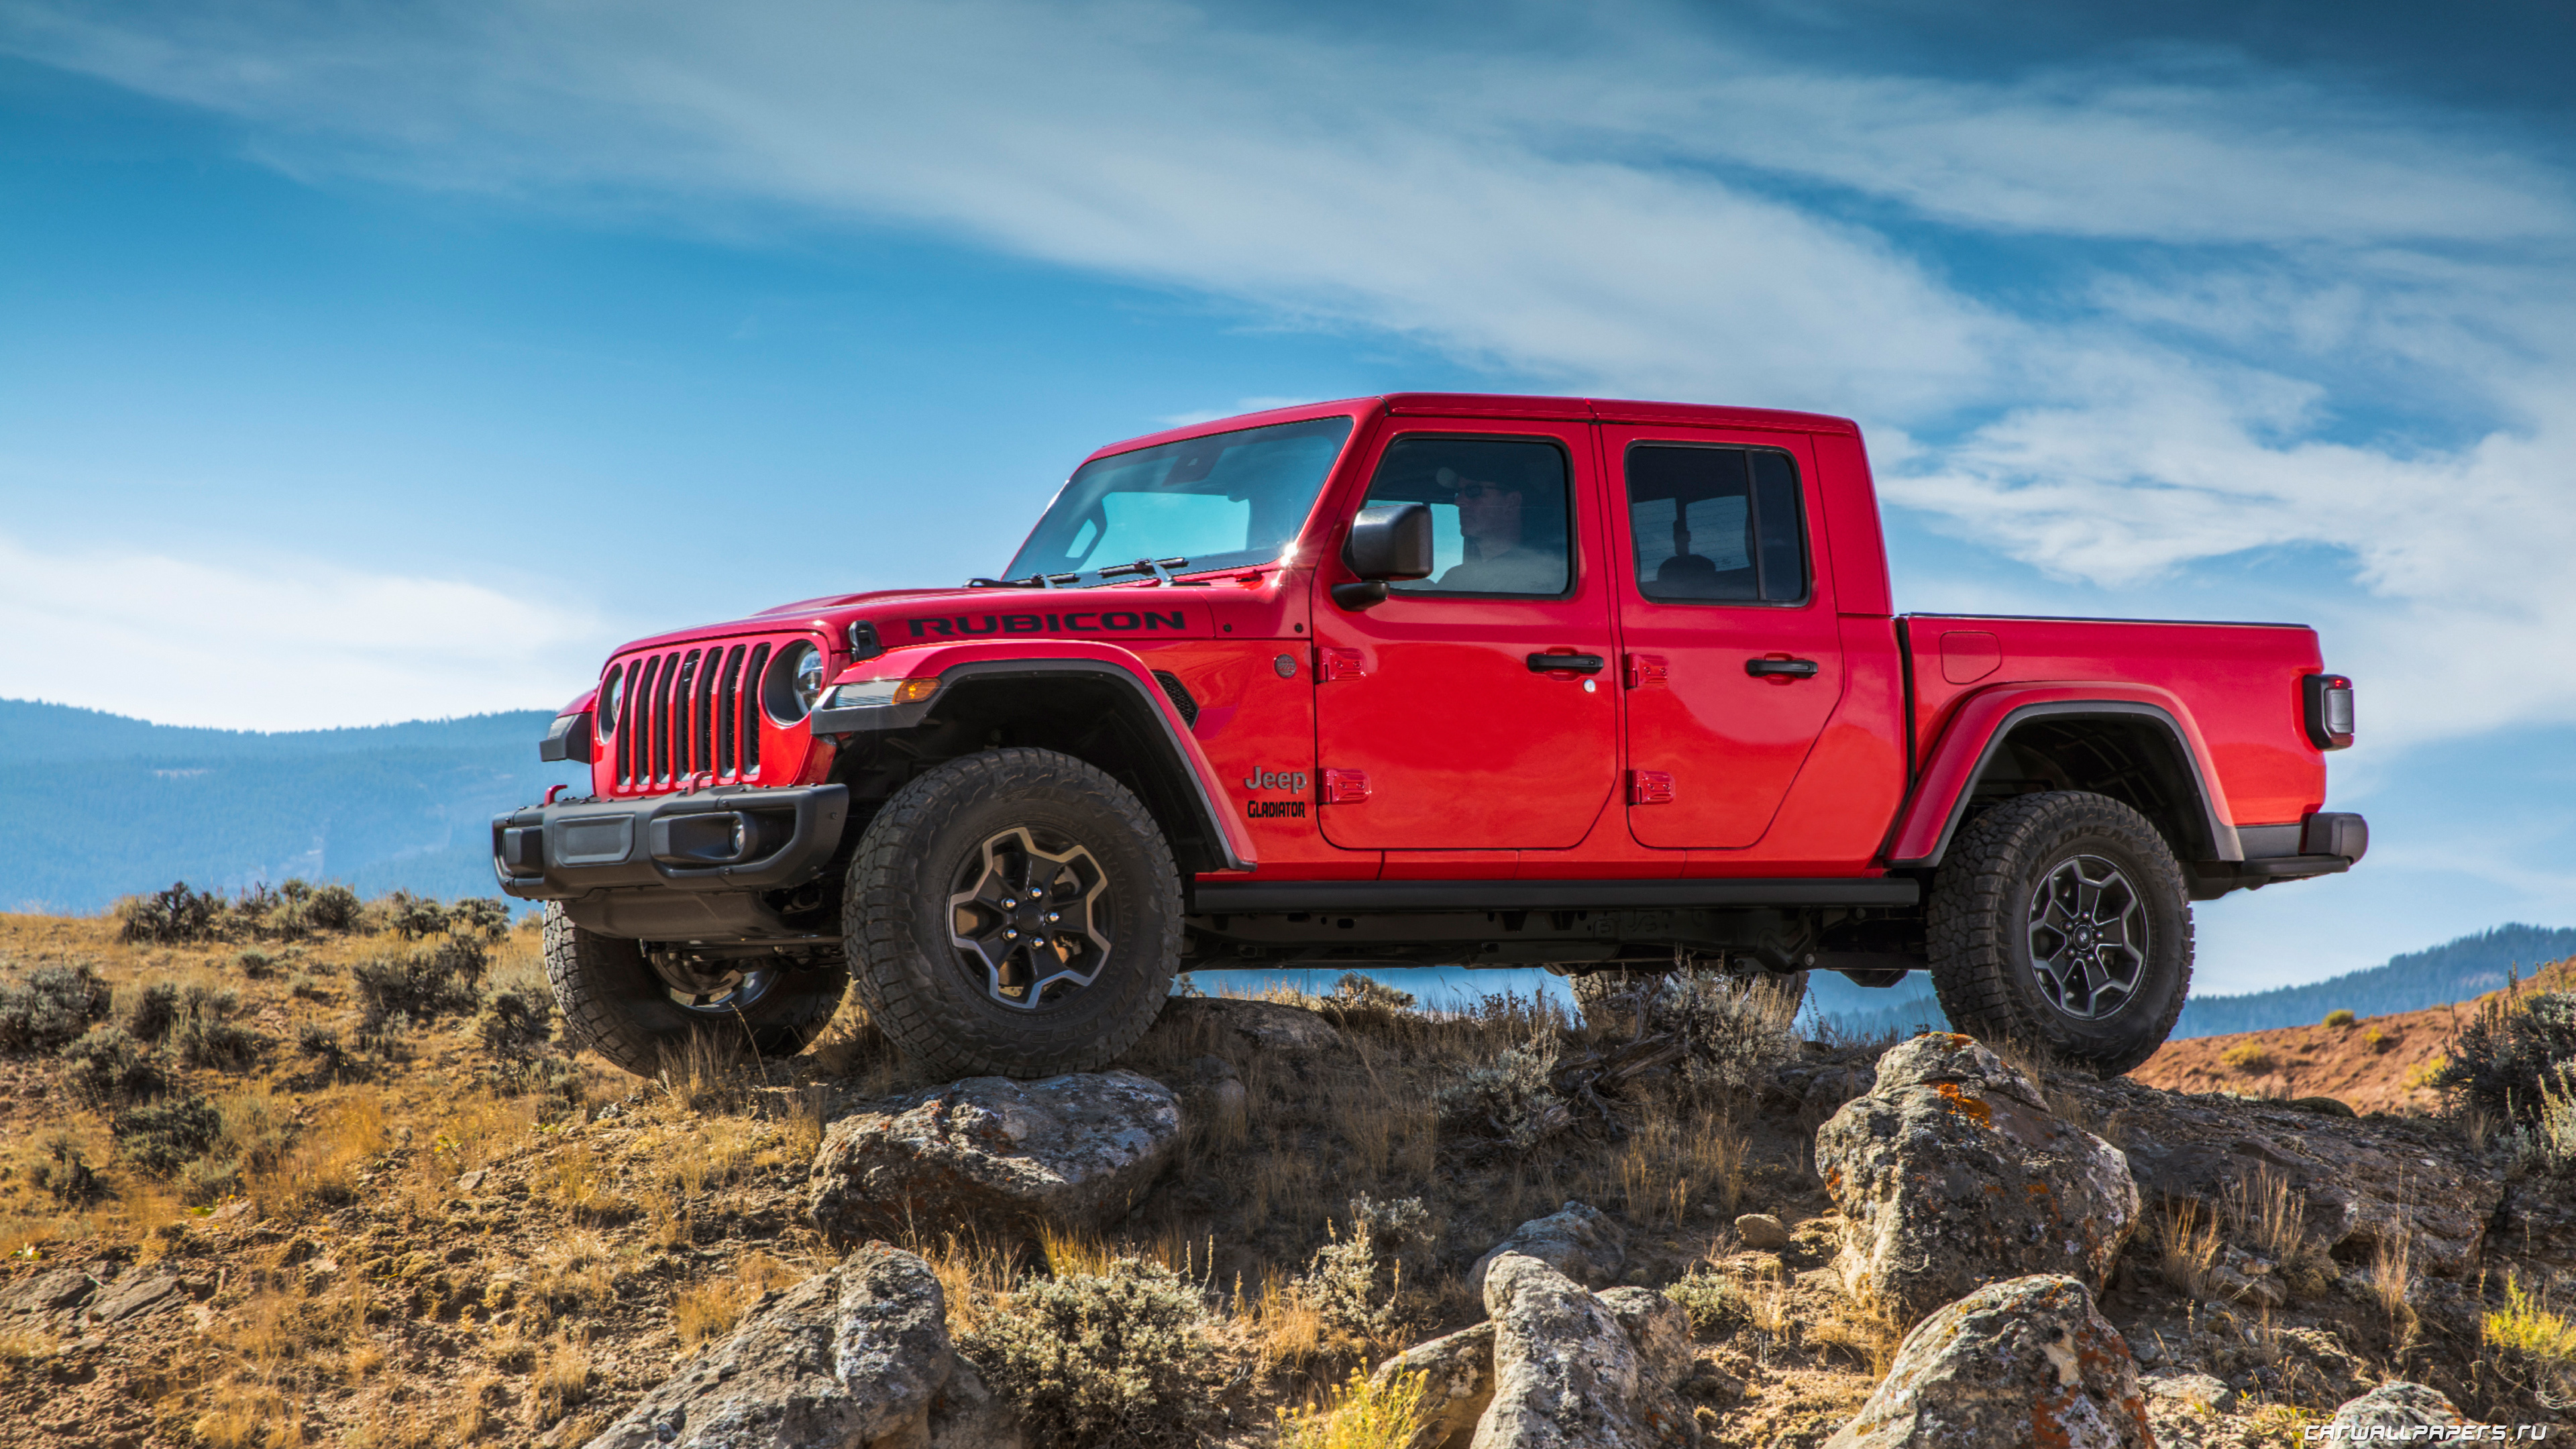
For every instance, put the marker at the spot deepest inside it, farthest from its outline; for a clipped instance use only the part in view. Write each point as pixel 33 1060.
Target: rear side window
pixel 1716 525
pixel 1501 523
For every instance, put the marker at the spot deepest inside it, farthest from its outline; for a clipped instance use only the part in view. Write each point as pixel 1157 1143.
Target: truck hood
pixel 929 616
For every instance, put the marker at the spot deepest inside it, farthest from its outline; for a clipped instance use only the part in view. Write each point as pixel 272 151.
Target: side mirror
pixel 1389 541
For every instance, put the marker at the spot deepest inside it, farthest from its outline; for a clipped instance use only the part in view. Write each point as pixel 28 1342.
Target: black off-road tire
pixel 614 1004
pixel 897 916
pixel 1979 928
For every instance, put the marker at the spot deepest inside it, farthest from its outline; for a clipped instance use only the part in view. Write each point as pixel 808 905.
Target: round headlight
pixel 611 691
pixel 795 681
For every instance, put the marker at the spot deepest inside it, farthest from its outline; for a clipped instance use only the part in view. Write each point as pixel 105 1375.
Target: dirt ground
pixel 414 1236
pixel 2372 1064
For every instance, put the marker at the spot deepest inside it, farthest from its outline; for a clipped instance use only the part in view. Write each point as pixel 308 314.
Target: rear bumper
pixel 2323 844
pixel 731 839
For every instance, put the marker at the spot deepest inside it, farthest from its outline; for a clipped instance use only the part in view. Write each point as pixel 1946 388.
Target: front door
pixel 1733 660
pixel 1475 709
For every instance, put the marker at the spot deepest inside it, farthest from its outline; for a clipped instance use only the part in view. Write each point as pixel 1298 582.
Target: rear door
pixel 1476 709
pixel 1733 659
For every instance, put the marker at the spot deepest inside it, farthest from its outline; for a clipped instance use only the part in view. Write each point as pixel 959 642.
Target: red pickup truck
pixel 1421 679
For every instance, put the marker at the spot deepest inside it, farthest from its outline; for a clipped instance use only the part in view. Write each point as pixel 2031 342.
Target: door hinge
pixel 1346 787
pixel 1650 787
pixel 1646 669
pixel 1332 664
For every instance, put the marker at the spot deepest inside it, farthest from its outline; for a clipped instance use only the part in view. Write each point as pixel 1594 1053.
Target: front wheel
pixel 634 1002
pixel 1013 913
pixel 2060 919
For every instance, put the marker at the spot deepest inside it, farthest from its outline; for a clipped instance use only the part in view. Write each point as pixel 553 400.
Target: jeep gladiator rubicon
pixel 1417 680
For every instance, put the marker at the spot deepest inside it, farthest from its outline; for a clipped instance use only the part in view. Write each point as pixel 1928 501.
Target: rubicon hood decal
pixel 972 623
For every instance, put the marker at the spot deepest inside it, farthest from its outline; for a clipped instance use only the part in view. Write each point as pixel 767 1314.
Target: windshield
pixel 1224 501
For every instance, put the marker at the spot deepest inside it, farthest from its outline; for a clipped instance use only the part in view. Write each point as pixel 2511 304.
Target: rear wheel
pixel 2060 919
pixel 1015 912
pixel 631 1001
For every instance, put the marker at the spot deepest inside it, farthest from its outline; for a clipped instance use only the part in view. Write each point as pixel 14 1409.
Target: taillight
pixel 2329 711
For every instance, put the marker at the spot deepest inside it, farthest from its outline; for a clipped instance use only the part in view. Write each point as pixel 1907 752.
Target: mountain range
pixel 104 806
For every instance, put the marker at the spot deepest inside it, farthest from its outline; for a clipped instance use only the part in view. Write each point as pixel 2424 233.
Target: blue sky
pixel 367 363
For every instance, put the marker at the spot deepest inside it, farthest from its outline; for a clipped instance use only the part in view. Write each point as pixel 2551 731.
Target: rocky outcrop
pixel 47 1291
pixel 995 1154
pixel 2398 1405
pixel 1457 1373
pixel 1578 1240
pixel 1567 1375
pixel 2029 1362
pixel 2382 1180
pixel 1271 1024
pixel 1952 1172
pixel 855 1358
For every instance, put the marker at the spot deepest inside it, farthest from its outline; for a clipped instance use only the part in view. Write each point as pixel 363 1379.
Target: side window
pixel 1716 525
pixel 1501 516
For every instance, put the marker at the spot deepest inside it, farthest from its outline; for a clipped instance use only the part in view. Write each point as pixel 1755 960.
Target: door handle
pixel 1790 668
pixel 1578 663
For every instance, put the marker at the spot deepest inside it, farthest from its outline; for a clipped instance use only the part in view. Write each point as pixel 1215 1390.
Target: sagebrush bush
pixel 1509 1103
pixel 105 1065
pixel 2340 1018
pixel 63 1174
pixel 1098 1359
pixel 1357 1281
pixel 1357 998
pixel 165 1137
pixel 2505 1055
pixel 409 916
pixel 149 1009
pixel 173 917
pixel 53 1005
pixel 1735 1031
pixel 518 1017
pixel 2247 1057
pixel 203 1033
pixel 420 984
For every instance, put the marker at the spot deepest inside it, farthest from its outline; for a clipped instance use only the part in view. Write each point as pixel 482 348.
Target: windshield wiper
pixel 1158 568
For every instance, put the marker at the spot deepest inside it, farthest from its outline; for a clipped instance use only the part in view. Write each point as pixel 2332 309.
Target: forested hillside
pixel 102 806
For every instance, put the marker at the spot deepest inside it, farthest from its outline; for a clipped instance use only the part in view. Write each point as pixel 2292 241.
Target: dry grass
pixel 2187 1249
pixel 1358 1415
pixel 1677 1158
pixel 1285 1327
pixel 562 1379
pixel 712 1308
pixel 1865 1330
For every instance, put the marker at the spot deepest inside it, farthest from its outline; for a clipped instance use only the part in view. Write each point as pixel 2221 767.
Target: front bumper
pixel 738 837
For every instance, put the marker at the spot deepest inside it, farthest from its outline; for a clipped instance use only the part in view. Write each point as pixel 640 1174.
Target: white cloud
pixel 284 643
pixel 1651 207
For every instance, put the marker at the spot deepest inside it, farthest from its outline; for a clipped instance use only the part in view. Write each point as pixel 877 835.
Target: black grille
pixel 689 713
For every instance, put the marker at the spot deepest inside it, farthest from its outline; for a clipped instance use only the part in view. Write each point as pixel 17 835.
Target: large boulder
pixel 1270 1025
pixel 1566 1373
pixel 999 1155
pixel 1658 1328
pixel 855 1358
pixel 2397 1406
pixel 2028 1362
pixel 1952 1173
pixel 1457 1373
pixel 2390 1182
pixel 1578 1240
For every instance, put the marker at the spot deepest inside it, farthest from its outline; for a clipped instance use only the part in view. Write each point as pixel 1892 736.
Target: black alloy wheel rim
pixel 1026 917
pixel 2088 937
